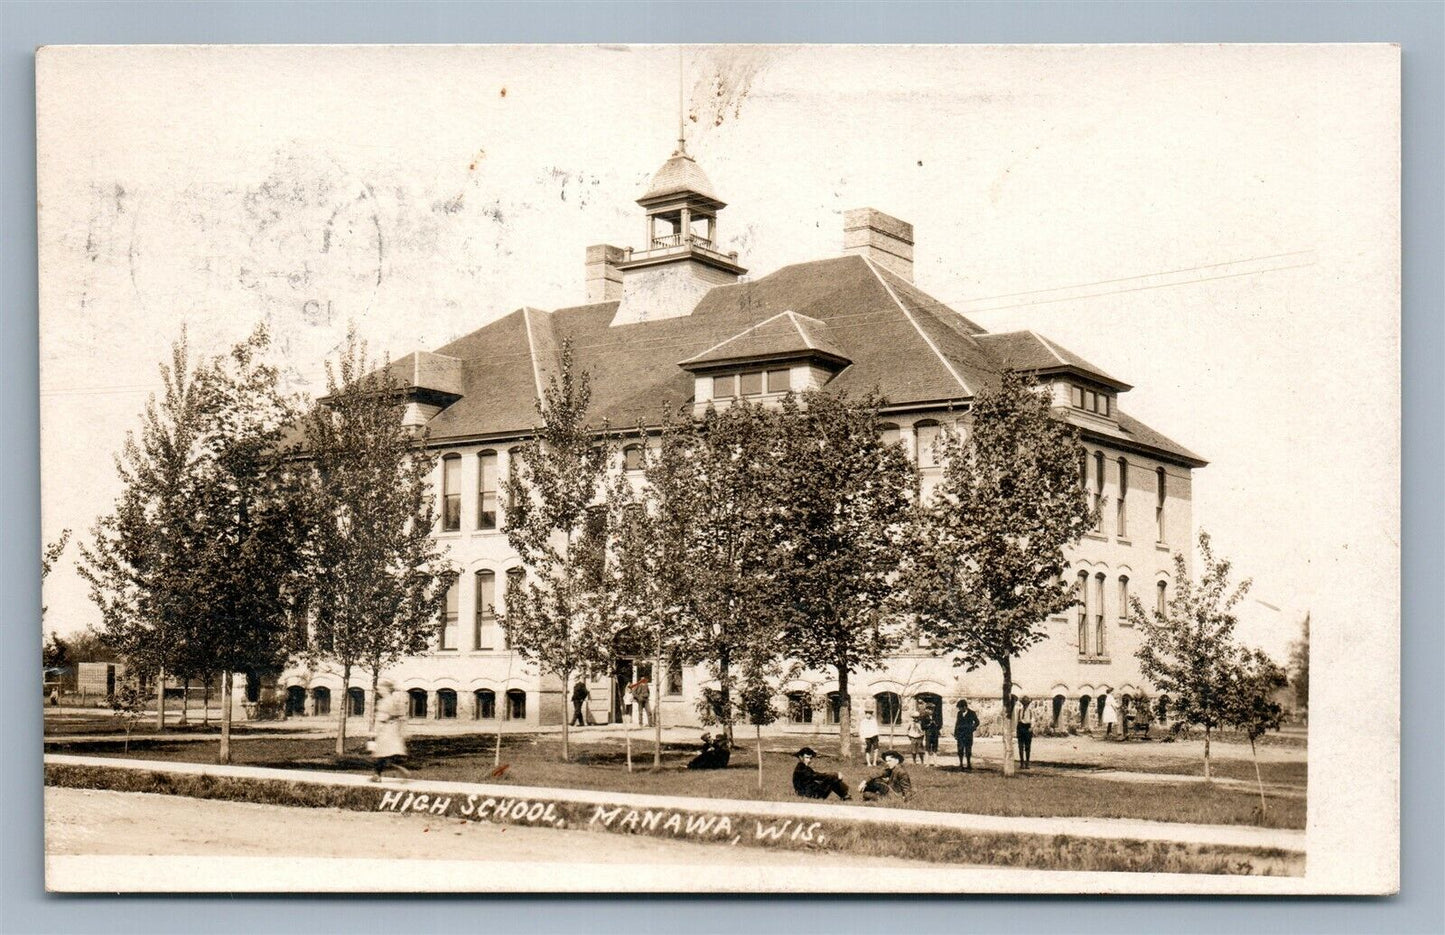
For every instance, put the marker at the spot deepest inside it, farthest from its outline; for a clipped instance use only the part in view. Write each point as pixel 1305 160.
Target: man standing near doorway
pixel 641 694
pixel 579 701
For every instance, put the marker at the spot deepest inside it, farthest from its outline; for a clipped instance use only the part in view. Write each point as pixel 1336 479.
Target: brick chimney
pixel 604 279
pixel 881 238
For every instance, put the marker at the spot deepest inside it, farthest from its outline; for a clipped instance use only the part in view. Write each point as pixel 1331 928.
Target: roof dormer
pixel 786 353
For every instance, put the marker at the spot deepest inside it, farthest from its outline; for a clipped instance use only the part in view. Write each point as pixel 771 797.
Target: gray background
pixel 1418 27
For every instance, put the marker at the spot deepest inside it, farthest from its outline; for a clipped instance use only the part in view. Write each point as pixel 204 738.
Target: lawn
pixel 1049 790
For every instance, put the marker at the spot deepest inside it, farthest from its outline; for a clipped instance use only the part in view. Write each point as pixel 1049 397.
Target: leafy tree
pixel 55 654
pixel 701 569
pixel 987 566
pixel 1299 666
pixel 1255 678
pixel 139 567
pixel 127 704
pixel 844 500
pixel 758 697
pixel 557 619
pixel 378 580
pixel 1188 650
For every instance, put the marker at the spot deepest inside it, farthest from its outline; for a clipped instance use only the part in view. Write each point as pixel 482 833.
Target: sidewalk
pixel 1099 828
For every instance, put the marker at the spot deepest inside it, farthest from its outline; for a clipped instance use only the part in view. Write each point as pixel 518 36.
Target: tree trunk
pixel 845 716
pixel 341 718
pixel 225 754
pixel 627 733
pixel 1009 768
pixel 759 728
pixel 371 701
pixel 1258 781
pixel 206 703
pixel 160 700
pixel 658 677
pixel 185 702
pixel 725 698
pixel 566 721
pixel 1206 751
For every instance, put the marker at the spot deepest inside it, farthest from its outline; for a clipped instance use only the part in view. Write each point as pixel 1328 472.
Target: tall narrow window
pixel 1100 648
pixel 1160 493
pixel 487 490
pixel 1084 468
pixel 447 638
pixel 451 493
pixel 926 434
pixel 1121 515
pixel 486 616
pixel 632 458
pixel 888 433
pixel 1123 600
pixel 516 578
pixel 1161 598
pixel 514 464
pixel 1083 613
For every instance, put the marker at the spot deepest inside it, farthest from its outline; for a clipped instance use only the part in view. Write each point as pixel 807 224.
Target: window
pixel 446 703
pixel 1161 598
pixel 673 687
pixel 751 383
pixel 516 704
pixel 516 578
pixel 484 704
pixel 1098 481
pixel 926 435
pixel 800 708
pixel 835 707
pixel 632 458
pixel 486 610
pixel 1121 515
pixel 1100 649
pixel 889 434
pixel 1159 494
pixel 514 464
pixel 451 493
pixel 779 381
pixel 1076 396
pixel 487 490
pixel 1123 600
pixel 356 702
pixel 320 701
pixel 889 708
pixel 725 386
pixel 1083 613
pixel 447 636
pixel 1084 468
pixel 416 703
pixel 1106 404
pixel 1091 401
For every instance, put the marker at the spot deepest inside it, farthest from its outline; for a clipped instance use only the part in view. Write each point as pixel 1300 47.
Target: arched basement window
pixel 446 703
pixel 516 704
pixel 800 708
pixel 356 702
pixel 416 703
pixel 889 708
pixel 321 700
pixel 484 704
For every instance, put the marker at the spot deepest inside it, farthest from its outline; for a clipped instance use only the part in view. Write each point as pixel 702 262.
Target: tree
pixel 986 569
pixel 698 571
pixel 558 618
pixel 1188 649
pixel 758 699
pixel 49 556
pixel 127 704
pixel 1254 680
pixel 1299 666
pixel 249 534
pixel 55 653
pixel 140 571
pixel 378 580
pixel 845 499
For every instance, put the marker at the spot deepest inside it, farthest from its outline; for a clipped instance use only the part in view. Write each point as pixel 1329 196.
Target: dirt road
pixel 89 822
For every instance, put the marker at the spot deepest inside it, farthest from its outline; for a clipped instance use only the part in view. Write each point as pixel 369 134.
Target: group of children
pixel 923 731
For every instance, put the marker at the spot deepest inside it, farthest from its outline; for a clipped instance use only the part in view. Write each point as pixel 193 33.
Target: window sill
pixel 1094 660
pixel 1096 536
pixel 486 532
pixel 1162 546
pixel 449 534
pixel 1124 540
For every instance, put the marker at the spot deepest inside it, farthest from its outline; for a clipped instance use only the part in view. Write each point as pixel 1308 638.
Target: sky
pixel 1216 225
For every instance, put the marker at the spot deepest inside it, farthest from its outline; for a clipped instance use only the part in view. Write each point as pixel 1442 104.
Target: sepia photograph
pixel 720 468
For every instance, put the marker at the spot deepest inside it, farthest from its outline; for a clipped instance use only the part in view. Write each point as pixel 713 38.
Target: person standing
pixel 893 782
pixel 963 728
pixel 868 736
pixel 641 693
pixel 932 727
pixel 1024 732
pixel 1111 713
pixel 579 700
pixel 915 737
pixel 811 784
pixel 388 743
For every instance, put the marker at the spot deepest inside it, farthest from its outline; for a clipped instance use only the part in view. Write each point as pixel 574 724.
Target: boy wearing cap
pixel 811 784
pixel 893 781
